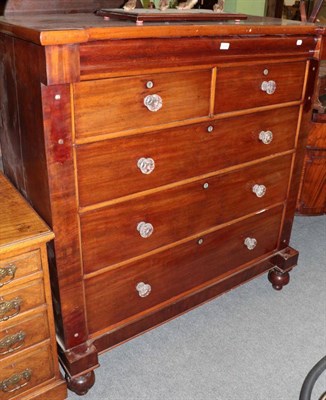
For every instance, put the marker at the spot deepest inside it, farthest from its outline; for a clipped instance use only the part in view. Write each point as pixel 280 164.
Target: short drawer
pixel 16 302
pixel 122 166
pixel 24 373
pixel 116 295
pixel 249 86
pixel 131 228
pixel 19 266
pixel 23 334
pixel 119 104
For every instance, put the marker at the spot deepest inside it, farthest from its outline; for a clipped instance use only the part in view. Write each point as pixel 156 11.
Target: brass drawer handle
pixel 268 86
pixel 6 306
pixel 250 243
pixel 13 383
pixel 146 165
pixel 10 270
pixel 143 289
pixel 145 229
pixel 266 137
pixel 12 343
pixel 259 190
pixel 153 102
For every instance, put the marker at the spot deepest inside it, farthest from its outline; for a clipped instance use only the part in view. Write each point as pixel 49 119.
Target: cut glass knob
pixel 266 137
pixel 153 102
pixel 145 229
pixel 143 289
pixel 250 243
pixel 259 190
pixel 268 86
pixel 146 165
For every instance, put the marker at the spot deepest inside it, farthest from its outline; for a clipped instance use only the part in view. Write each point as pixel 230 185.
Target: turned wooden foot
pixel 278 278
pixel 81 384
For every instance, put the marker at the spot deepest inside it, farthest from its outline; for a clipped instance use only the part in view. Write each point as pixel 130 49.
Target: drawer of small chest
pixel 131 228
pixel 250 86
pixel 20 334
pixel 22 373
pixel 18 266
pixel 124 292
pixel 122 166
pixel 120 104
pixel 24 298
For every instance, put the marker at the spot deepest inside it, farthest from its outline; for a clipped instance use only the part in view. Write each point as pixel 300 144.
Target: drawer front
pixel 242 87
pixel 24 373
pixel 121 56
pixel 16 267
pixel 116 295
pixel 19 336
pixel 113 105
pixel 122 166
pixel 13 303
pixel 134 227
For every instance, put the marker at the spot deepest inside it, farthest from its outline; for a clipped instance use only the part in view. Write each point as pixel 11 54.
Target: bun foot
pixel 81 384
pixel 278 278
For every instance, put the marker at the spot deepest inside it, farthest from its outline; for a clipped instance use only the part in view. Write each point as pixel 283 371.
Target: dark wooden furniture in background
pixel 312 194
pixel 29 367
pixel 166 158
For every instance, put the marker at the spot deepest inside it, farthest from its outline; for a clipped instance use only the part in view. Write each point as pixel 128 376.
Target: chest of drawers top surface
pixel 53 29
pixel 19 223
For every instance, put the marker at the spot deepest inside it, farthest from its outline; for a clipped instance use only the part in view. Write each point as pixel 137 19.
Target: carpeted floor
pixel 253 343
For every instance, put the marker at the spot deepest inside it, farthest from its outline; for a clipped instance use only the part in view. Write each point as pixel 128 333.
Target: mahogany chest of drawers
pixel 165 157
pixel 29 367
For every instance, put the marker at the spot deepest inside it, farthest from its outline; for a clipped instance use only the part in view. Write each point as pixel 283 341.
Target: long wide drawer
pixel 131 228
pixel 119 104
pixel 116 295
pixel 16 336
pixel 99 58
pixel 249 86
pixel 24 373
pixel 122 166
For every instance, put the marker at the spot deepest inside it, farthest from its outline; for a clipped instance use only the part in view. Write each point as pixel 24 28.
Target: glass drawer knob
pixel 145 229
pixel 250 243
pixel 268 86
pixel 143 289
pixel 266 137
pixel 153 102
pixel 146 165
pixel 259 190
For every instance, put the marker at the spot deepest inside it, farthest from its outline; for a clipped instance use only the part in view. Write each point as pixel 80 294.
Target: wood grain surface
pixel 177 270
pixel 179 153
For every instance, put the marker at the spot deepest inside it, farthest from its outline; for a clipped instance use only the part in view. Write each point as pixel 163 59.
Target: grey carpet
pixel 253 343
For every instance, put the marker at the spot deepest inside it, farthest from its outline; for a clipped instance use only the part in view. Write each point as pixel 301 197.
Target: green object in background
pixel 254 7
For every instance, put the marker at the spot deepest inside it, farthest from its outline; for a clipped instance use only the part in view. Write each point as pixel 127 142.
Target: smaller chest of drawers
pixel 28 356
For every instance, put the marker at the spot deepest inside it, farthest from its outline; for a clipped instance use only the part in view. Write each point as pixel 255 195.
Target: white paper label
pixel 224 46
